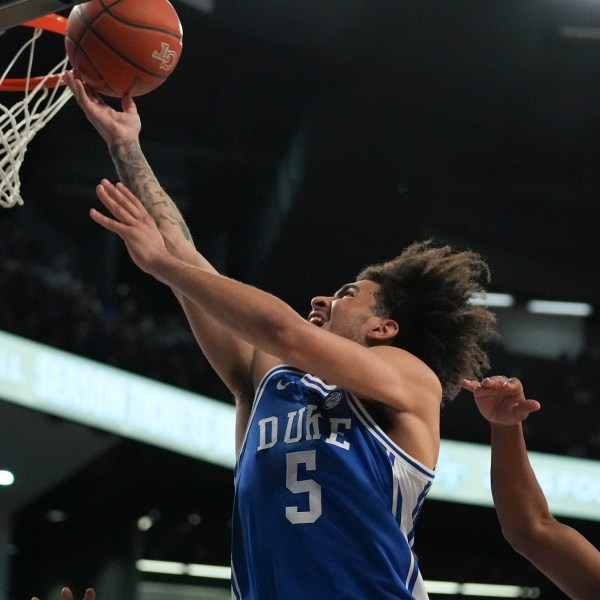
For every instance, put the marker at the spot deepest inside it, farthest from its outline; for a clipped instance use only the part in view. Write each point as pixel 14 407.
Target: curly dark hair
pixel 428 291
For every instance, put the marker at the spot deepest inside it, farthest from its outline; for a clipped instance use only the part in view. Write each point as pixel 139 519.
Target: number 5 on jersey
pixel 303 486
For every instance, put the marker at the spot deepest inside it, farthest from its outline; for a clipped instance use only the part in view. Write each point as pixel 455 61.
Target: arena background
pixel 302 141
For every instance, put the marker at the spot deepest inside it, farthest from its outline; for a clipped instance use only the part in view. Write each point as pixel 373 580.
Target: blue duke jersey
pixel 325 502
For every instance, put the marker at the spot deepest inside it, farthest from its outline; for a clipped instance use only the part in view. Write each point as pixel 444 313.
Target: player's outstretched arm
pixel 121 130
pixel 522 509
pixel 229 356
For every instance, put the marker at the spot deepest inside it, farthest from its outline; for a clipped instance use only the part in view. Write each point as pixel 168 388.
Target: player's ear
pixel 383 331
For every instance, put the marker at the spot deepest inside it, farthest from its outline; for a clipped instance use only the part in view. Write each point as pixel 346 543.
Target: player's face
pixel 348 311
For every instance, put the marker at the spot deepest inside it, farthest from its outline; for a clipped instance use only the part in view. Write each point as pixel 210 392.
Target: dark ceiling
pixel 303 140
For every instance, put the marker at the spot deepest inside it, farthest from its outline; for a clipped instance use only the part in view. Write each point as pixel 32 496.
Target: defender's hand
pixel 501 399
pixel 132 223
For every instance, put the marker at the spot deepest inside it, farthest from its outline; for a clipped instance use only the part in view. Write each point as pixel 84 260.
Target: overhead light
pixel 450 588
pixel 493 299
pixel 55 515
pixel 580 33
pixel 491 591
pixel 160 566
pixel 6 478
pixel 433 587
pixel 144 523
pixel 550 307
pixel 177 568
pixel 194 519
pixel 205 6
pixel 210 571
pixel 487 590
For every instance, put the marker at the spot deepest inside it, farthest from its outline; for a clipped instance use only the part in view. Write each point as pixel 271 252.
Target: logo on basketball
pixel 167 57
pixel 332 400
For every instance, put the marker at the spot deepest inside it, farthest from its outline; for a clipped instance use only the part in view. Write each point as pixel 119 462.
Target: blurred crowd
pixel 44 299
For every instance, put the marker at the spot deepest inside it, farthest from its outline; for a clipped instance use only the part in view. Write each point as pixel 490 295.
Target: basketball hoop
pixel 20 121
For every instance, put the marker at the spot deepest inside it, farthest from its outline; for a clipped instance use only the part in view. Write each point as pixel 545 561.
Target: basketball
pixel 122 47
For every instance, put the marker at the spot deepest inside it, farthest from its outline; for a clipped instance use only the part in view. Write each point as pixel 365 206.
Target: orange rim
pixel 51 22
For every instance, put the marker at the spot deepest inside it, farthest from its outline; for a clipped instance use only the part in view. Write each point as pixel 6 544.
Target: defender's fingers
pixel 106 198
pixel 120 206
pixel 66 594
pixel 121 191
pixel 107 222
pixel 495 381
pixel 90 594
pixel 470 384
pixel 512 387
pixel 514 384
pixel 117 201
pixel 532 405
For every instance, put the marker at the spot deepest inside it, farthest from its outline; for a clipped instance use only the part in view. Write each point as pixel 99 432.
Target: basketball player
pixel 337 415
pixel 558 551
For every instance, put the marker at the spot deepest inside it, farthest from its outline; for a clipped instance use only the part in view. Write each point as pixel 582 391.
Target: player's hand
pixel 114 126
pixel 66 594
pixel 501 399
pixel 132 223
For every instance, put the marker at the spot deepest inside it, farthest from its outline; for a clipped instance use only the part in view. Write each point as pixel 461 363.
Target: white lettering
pixel 305 423
pixel 150 411
pixel 582 487
pixel 11 369
pixel 288 439
pixel 262 425
pixel 332 439
pixel 78 387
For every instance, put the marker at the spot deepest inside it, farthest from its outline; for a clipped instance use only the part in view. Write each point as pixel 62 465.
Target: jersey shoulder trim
pixel 392 448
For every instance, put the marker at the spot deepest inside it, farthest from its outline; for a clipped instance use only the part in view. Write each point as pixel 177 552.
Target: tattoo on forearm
pixel 136 174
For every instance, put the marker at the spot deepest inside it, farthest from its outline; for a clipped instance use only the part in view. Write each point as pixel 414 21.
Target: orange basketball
pixel 124 47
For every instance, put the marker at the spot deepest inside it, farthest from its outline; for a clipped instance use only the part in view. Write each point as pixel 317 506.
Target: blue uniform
pixel 325 502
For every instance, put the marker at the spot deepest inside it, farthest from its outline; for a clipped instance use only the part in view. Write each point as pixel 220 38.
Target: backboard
pixel 14 12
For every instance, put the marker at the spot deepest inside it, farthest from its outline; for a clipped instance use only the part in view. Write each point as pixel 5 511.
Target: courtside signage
pixel 571 485
pixel 59 383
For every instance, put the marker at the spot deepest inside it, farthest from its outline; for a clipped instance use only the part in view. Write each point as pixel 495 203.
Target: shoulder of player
pixel 415 377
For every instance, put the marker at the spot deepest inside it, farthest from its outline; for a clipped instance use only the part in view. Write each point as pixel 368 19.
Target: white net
pixel 21 120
